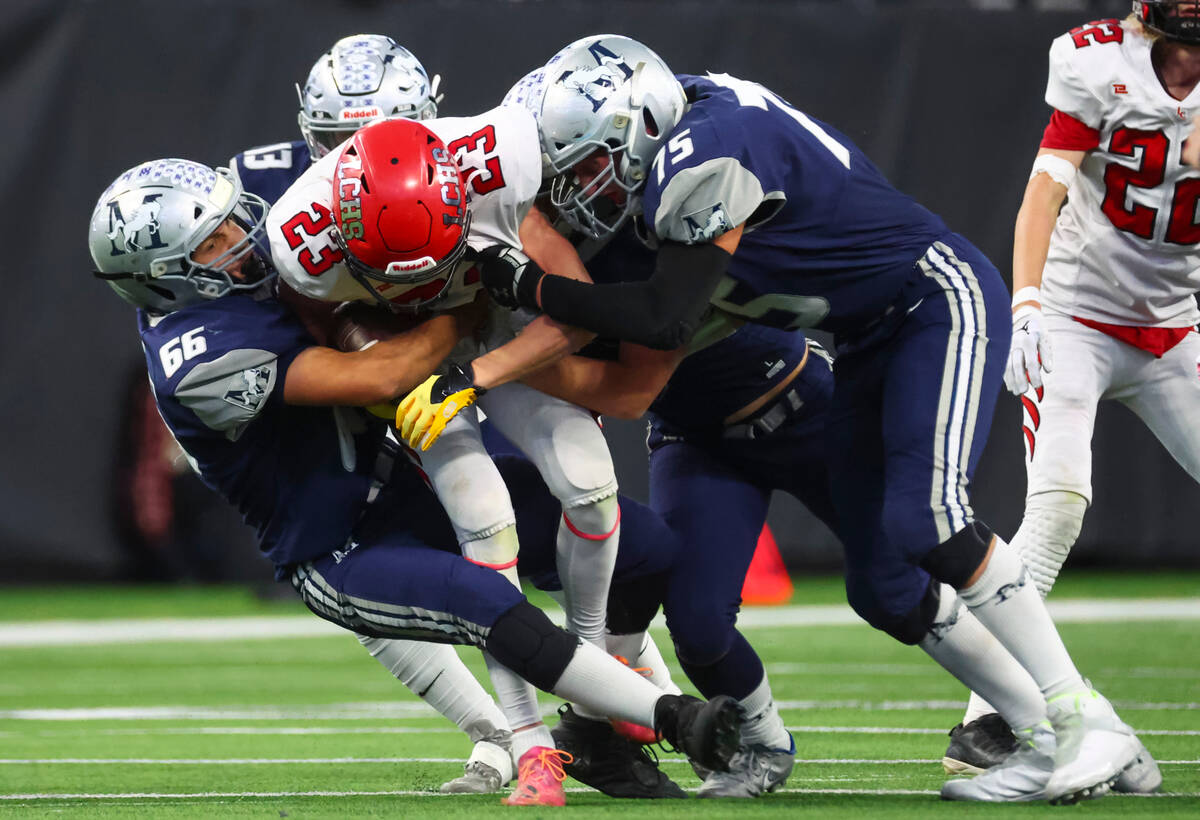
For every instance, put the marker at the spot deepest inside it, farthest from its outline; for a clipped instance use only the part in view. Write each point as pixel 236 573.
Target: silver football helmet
pixel 361 79
pixel 146 225
pixel 612 94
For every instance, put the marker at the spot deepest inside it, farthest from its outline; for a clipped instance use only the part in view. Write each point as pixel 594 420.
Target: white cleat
pixel 1094 746
pixel 753 771
pixel 1141 776
pixel 1021 778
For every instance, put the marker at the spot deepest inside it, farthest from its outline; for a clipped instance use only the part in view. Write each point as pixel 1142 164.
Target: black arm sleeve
pixel 663 312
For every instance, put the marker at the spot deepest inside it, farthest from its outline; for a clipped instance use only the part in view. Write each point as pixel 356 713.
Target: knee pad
pixel 633 604
pixel 575 462
pixel 594 520
pixel 496 551
pixel 955 560
pixel 524 640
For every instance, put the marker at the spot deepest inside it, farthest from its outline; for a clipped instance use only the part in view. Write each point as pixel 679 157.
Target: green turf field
pixel 117 719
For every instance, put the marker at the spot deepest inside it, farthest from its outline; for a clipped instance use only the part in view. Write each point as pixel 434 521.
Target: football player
pixel 1104 286
pixel 361 79
pixel 267 418
pixel 399 215
pixel 762 212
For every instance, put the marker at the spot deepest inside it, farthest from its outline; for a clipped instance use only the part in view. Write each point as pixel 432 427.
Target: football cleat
pixel 1022 777
pixel 1094 746
pixel 753 771
pixel 979 745
pixel 608 762
pixel 1140 777
pixel 707 732
pixel 488 769
pixel 539 778
pixel 477 778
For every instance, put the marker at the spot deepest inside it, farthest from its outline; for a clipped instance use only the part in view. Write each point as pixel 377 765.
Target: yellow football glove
pixel 424 413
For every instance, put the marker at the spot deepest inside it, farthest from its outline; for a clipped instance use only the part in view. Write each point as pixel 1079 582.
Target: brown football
pixel 358 324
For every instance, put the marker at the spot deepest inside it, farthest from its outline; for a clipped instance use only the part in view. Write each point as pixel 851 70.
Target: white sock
pixel 526 739
pixel 651 658
pixel 977 707
pixel 1048 531
pixel 1004 601
pixel 761 723
pixel 587 551
pixel 518 698
pixel 603 685
pixel 435 673
pixel 961 644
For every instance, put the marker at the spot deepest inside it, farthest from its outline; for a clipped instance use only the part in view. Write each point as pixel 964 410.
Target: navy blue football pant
pixel 402 575
pixel 713 491
pixel 912 406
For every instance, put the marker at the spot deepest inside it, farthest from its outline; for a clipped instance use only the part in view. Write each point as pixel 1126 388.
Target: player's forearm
pixel 540 343
pixel 661 313
pixel 1035 226
pixel 604 387
pixel 1044 197
pixel 550 249
pixel 382 373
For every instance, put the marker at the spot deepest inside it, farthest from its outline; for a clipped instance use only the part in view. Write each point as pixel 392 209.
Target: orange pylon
pixel 767 581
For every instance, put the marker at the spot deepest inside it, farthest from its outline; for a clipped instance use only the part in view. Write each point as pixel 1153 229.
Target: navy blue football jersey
pixel 299 475
pixel 269 170
pixel 718 379
pixel 829 243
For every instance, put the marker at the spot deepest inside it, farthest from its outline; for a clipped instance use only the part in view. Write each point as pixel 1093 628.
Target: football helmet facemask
pixel 1183 25
pixel 361 79
pixel 148 223
pixel 604 94
pixel 401 212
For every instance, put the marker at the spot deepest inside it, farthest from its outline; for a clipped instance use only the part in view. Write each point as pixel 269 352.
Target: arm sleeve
pixel 663 312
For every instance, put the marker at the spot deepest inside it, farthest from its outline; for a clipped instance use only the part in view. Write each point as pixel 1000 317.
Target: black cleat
pixel 707 732
pixel 608 762
pixel 978 746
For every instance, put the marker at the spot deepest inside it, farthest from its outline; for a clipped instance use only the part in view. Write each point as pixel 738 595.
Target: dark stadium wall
pixel 949 105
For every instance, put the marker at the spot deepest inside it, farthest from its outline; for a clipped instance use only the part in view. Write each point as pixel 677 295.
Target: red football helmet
pixel 401 211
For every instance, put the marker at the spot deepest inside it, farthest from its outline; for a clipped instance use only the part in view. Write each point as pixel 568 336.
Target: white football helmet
pixel 146 225
pixel 361 79
pixel 604 93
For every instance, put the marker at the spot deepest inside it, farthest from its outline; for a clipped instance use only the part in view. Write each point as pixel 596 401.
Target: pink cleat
pixel 539 778
pixel 634 731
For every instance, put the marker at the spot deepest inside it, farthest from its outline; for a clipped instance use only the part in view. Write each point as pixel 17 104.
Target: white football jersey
pixel 1124 249
pixel 500 158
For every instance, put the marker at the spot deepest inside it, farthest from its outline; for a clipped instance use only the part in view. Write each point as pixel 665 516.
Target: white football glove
pixel 1030 353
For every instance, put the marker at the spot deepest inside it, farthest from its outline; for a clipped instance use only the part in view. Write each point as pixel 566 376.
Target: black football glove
pixel 510 276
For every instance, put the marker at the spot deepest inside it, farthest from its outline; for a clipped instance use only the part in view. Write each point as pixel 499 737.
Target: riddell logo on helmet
pixel 369 112
pixel 348 187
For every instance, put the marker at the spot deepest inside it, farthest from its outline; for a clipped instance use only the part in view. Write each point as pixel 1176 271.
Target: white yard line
pixel 147 630
pixel 269 761
pixel 406 730
pixel 415 793
pixel 415 710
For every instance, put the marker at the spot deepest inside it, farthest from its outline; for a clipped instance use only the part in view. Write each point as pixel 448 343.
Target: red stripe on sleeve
pixel 1069 134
